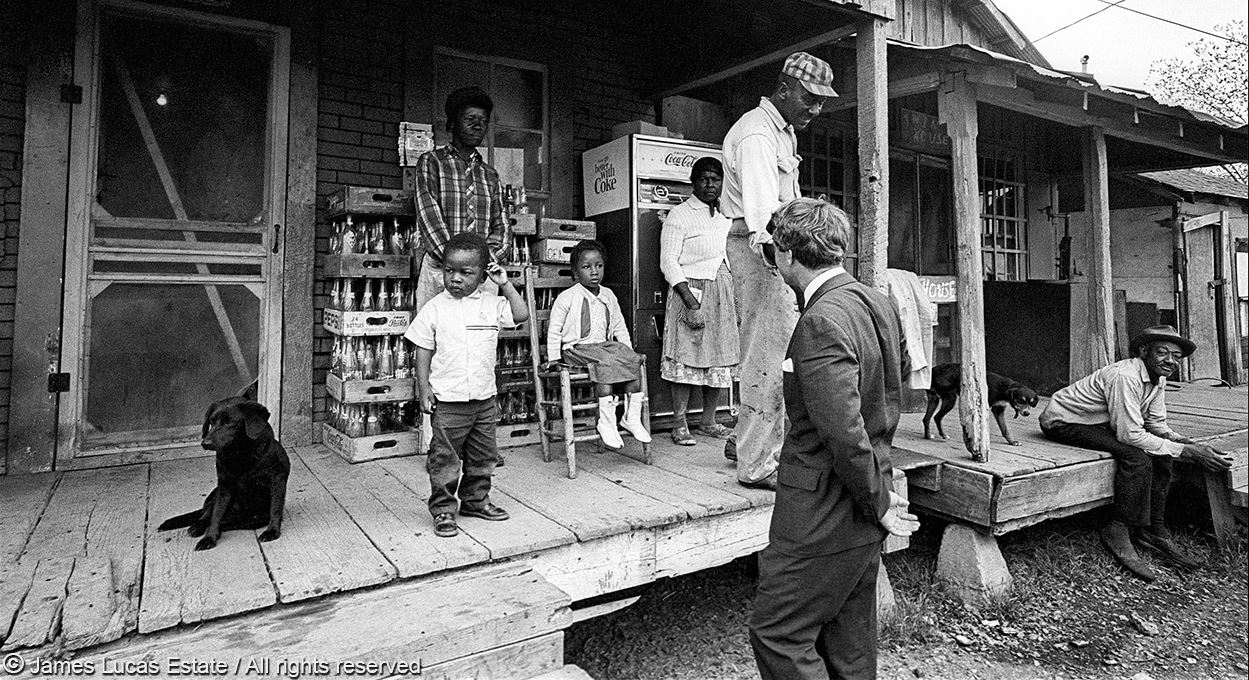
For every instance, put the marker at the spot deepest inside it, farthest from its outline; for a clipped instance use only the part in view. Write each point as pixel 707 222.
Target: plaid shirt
pixel 457 193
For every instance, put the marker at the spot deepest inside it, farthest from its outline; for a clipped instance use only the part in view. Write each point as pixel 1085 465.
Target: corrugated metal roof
pixel 1195 181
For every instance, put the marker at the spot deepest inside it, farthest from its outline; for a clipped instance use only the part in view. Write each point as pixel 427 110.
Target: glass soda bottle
pixel 347 237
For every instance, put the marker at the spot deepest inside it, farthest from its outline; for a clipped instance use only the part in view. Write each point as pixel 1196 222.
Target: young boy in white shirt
pixel 456 335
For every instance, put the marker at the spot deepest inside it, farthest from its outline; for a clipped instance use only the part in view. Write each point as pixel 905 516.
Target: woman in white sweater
pixel 700 342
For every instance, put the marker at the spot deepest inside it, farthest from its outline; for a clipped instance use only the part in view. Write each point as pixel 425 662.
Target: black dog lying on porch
pixel 1003 392
pixel 252 469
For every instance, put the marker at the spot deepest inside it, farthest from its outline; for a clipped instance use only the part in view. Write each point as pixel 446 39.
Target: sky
pixel 1121 45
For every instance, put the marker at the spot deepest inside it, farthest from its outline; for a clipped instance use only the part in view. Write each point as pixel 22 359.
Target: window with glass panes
pixel 516 145
pixel 1004 245
pixel 828 167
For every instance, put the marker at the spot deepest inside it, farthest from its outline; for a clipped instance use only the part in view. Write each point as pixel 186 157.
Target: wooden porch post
pixel 873 107
pixel 957 110
pixel 1101 320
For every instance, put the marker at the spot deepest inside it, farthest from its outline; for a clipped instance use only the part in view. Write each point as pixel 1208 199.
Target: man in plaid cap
pixel 761 174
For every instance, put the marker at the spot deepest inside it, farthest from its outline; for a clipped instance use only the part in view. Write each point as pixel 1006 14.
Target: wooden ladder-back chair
pixel 578 417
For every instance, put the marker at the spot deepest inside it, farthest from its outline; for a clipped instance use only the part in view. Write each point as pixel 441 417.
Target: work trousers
pixel 462 454
pixel 1142 480
pixel 767 319
pixel 815 617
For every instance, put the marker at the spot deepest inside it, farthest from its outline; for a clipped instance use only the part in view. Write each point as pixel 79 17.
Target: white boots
pixel 632 421
pixel 606 427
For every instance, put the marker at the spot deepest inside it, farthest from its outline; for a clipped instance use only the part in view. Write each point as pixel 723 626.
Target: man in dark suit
pixel 815 610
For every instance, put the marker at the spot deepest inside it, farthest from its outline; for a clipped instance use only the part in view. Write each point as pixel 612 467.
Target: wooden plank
pixel 1101 320
pixel 40 240
pixel 965 494
pixel 605 565
pixel 873 125
pixel 181 585
pixel 957 109
pixel 616 509
pixel 1048 490
pixel 25 497
pixel 90 609
pixel 526 531
pixel 15 581
pixel 393 516
pixel 1235 399
pixel 39 618
pixel 711 541
pixel 322 550
pixel 298 248
pixel 696 500
pixel 1002 528
pixel 527 659
pixel 1005 463
pixel 423 621
pixel 705 464
pixel 156 224
pixel 569 672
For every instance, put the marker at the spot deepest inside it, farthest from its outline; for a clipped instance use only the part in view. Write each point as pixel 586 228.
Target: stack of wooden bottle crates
pixel 371 383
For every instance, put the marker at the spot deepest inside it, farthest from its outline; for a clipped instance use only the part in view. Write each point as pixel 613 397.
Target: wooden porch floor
pixel 80 557
pixel 1039 479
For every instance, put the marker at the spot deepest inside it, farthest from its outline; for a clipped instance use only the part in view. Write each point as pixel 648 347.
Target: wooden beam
pixel 825 38
pixel 1101 323
pixel 957 110
pixel 873 121
pixel 1225 299
pixel 299 255
pixel 41 240
pixel 857 8
pixel 1023 101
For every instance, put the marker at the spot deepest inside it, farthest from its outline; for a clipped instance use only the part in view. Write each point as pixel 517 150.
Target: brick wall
pixel 12 124
pixel 597 77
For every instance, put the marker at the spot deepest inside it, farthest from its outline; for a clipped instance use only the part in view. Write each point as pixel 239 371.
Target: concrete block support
pixel 970 564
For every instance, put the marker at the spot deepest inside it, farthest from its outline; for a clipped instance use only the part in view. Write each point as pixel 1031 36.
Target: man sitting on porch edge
pixel 1120 409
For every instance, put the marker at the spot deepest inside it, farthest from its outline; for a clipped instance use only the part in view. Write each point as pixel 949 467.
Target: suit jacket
pixel 843 398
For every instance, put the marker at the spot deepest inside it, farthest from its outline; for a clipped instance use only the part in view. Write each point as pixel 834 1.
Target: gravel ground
pixel 1072 614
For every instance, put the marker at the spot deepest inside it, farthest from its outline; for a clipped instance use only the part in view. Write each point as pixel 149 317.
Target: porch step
pixel 569 672
pixel 498 621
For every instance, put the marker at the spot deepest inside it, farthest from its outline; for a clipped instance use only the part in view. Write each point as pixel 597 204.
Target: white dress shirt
pixel 1122 396
pixel 564 328
pixel 760 167
pixel 819 281
pixel 692 243
pixel 464 336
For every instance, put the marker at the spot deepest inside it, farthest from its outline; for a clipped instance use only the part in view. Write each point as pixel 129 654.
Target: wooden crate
pixel 576 230
pixel 516 274
pixel 556 271
pixel 354 265
pixel 349 200
pixel 517 434
pixel 362 449
pixel 524 224
pixel 370 391
pixel 339 322
pixel 553 250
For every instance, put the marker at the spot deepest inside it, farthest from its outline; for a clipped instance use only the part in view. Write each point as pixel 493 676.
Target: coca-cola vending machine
pixel 629 185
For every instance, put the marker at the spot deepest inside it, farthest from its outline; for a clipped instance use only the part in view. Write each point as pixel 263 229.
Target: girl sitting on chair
pixel 587 329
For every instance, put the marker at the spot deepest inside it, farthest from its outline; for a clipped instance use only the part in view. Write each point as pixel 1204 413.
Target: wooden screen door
pixel 174 241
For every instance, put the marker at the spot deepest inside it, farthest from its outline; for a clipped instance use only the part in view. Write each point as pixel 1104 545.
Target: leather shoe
pixel 768 482
pixel 498 460
pixel 1115 536
pixel 1160 541
pixel 730 450
pixel 444 525
pixel 488 511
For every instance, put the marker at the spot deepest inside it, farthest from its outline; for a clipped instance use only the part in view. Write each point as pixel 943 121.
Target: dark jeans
pixel 462 454
pixel 815 617
pixel 1142 481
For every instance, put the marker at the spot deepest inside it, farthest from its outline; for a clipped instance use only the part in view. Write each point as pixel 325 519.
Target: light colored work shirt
pixel 463 333
pixel 692 243
pixel 579 316
pixel 760 166
pixel 1122 396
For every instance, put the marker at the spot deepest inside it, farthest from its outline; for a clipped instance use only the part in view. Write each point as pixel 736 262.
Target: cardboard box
pixel 638 127
pixel 362 449
pixel 553 250
pixel 339 322
pixel 354 265
pixel 566 229
pixel 349 200
pixel 524 224
pixel 370 391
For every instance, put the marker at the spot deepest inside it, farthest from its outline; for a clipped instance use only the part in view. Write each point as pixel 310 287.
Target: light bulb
pixel 161 99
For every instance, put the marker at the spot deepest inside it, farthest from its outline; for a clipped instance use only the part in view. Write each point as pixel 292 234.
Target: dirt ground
pixel 1073 613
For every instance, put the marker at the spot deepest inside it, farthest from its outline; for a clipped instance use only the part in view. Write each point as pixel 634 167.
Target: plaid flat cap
pixel 814 73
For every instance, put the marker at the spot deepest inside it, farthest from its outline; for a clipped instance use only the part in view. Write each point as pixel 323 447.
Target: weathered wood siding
pixel 935 22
